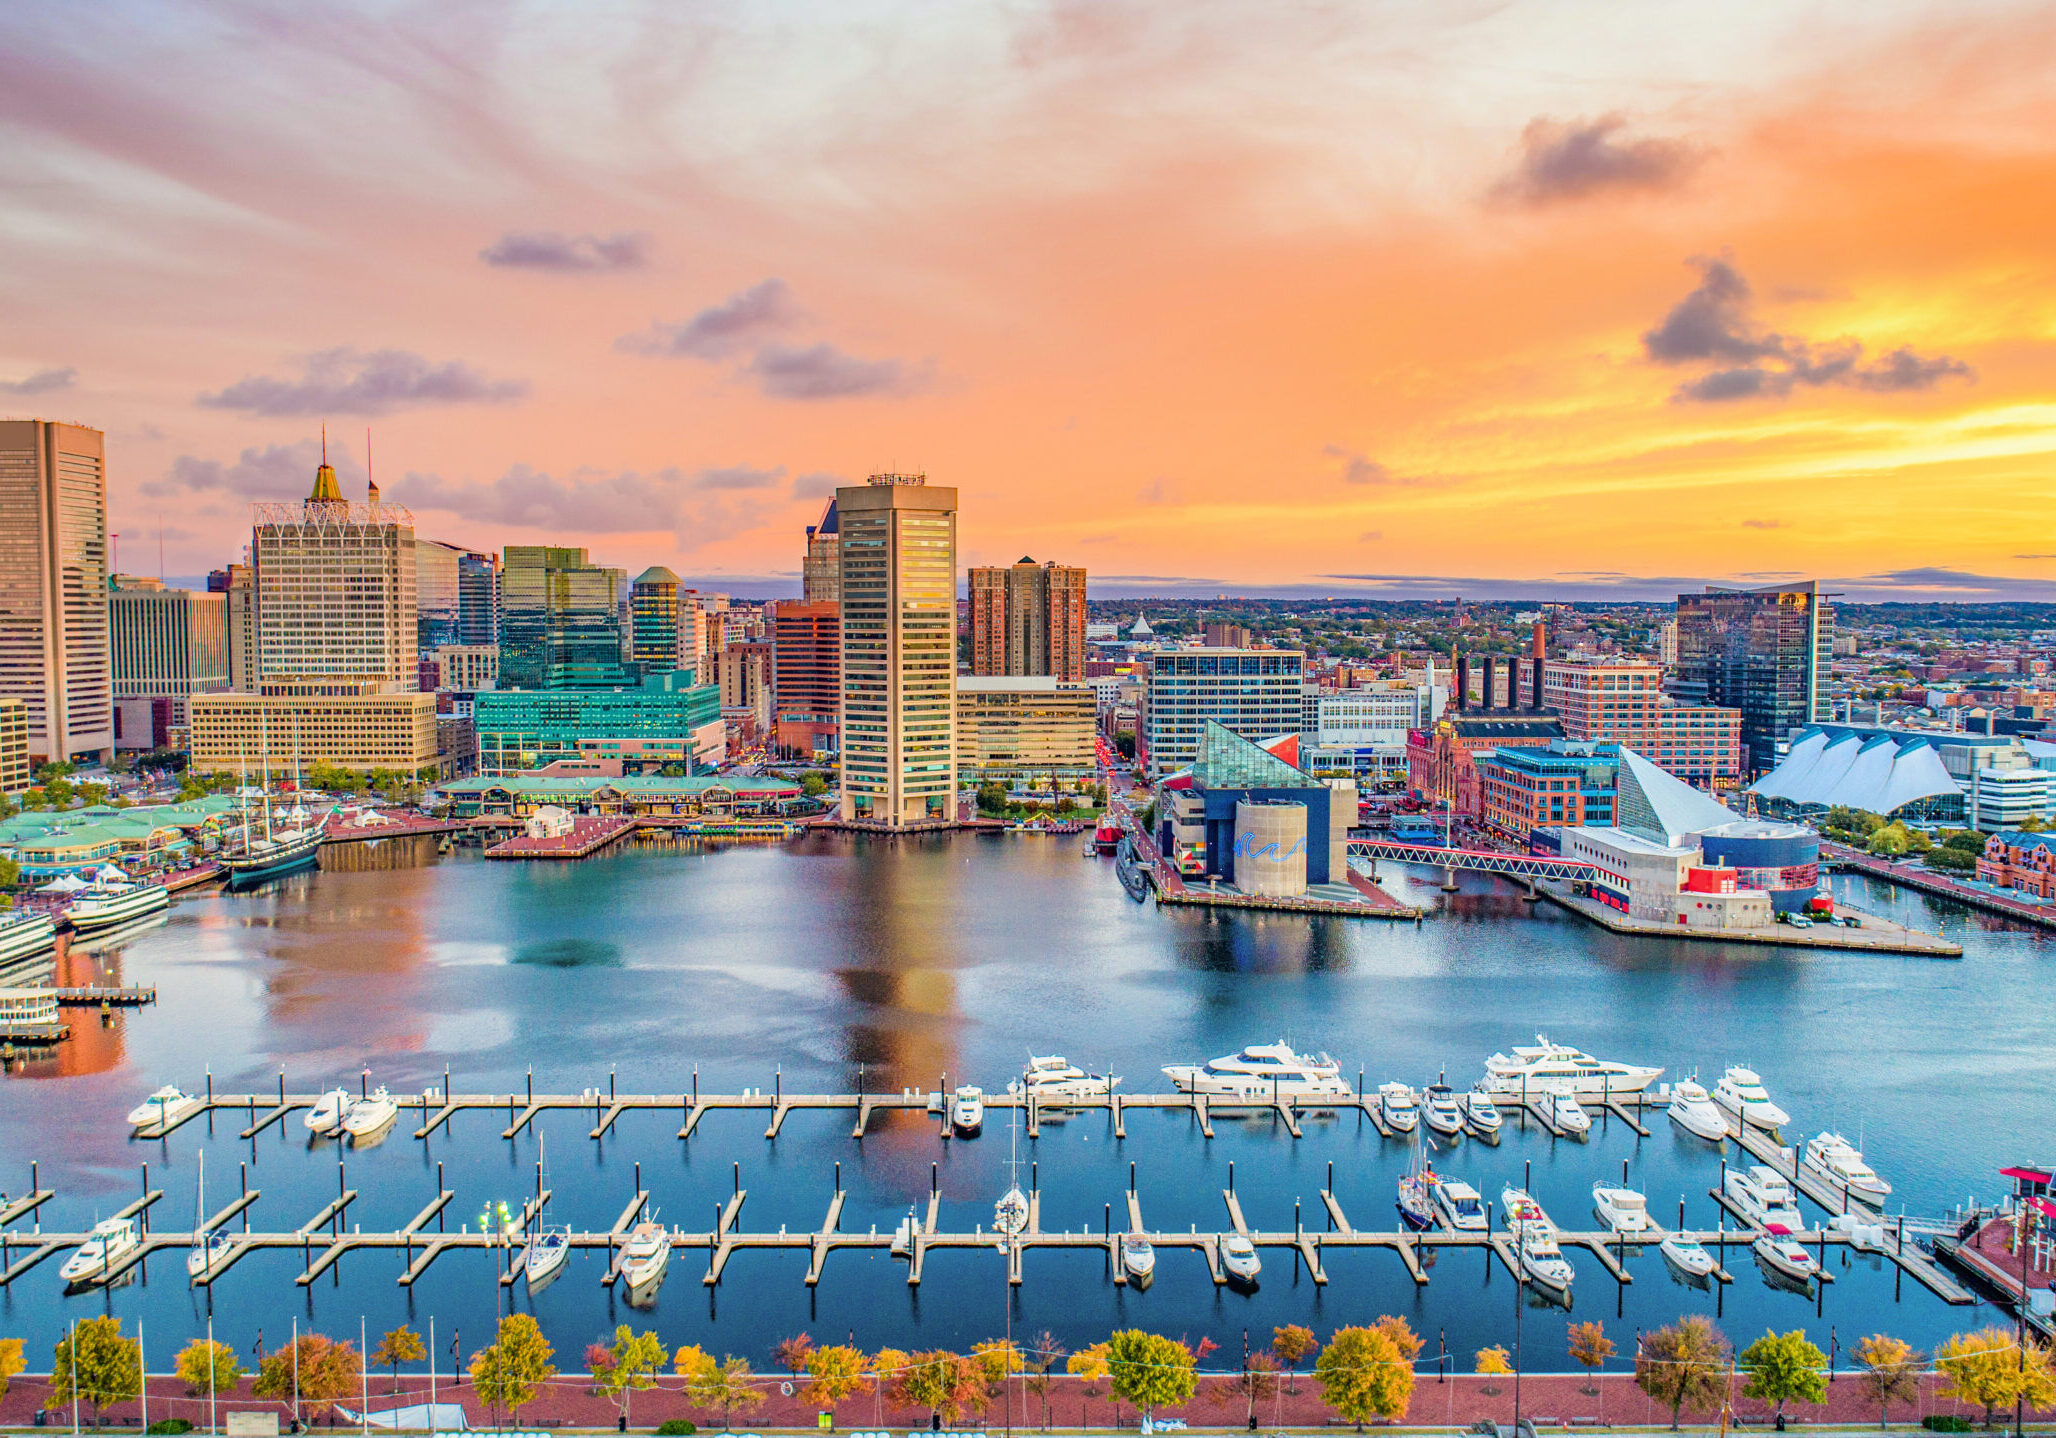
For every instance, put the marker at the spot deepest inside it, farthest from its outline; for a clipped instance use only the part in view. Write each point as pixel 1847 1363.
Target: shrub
pixel 674 1427
pixel 1945 1423
pixel 170 1425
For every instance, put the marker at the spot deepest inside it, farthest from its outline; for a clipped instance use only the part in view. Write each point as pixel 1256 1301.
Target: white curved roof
pixel 1879 772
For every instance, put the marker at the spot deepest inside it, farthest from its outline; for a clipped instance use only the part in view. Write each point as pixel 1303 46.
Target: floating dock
pixel 587 836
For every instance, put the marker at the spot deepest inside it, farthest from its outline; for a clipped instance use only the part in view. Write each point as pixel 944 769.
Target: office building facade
pixel 362 732
pixel 237 585
pixel 821 565
pixel 647 728
pixel 1621 701
pixel 806 677
pixel 898 577
pixel 656 639
pixel 1026 732
pixel 563 621
pixel 465 668
pixel 1028 618
pixel 53 586
pixel 168 644
pixel 438 597
pixel 478 599
pixel 1253 693
pixel 14 744
pixel 1762 651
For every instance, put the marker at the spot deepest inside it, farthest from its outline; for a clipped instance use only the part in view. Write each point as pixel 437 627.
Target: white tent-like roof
pixel 1659 806
pixel 1877 772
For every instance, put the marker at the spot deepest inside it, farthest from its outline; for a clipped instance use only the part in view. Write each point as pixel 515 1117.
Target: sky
pixel 1415 297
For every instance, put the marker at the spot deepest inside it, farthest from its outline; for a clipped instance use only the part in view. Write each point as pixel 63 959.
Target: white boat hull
pixel 544 1264
pixel 26 935
pixel 1701 1120
pixel 1693 1261
pixel 1798 1266
pixel 96 913
pixel 151 1115
pixel 370 1121
pixel 1187 1079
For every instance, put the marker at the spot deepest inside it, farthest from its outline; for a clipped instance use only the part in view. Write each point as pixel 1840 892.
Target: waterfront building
pixel 806 676
pixel 563 621
pixel 1765 652
pixel 1253 692
pixel 821 565
pixel 166 644
pixel 1441 760
pixel 1031 732
pixel 696 796
pixel 1924 776
pixel 466 668
pixel 2024 863
pixel 362 731
pixel 656 639
pixel 1621 701
pixel 1563 782
pixel 1028 618
pixel 1245 814
pixel 898 574
pixel 478 599
pixel 53 586
pixel 14 744
pixel 1362 732
pixel 661 723
pixel 335 595
pixel 438 595
pixel 237 585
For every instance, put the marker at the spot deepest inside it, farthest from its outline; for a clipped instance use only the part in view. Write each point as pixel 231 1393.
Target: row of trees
pixel 1364 1372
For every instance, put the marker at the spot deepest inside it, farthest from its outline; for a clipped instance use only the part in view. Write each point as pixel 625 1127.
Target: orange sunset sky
pixel 1570 298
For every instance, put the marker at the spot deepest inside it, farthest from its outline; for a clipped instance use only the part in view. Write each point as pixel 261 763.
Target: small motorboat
pixel 110 1239
pixel 370 1118
pixel 1785 1255
pixel 1622 1210
pixel 1838 1162
pixel 1742 1094
pixel 329 1111
pixel 967 1110
pixel 1692 1109
pixel 205 1258
pixel 1460 1206
pixel 1010 1214
pixel 1481 1115
pixel 167 1105
pixel 1397 1105
pixel 643 1260
pixel 1763 1196
pixel 1566 1115
pixel 1239 1260
pixel 545 1257
pixel 1541 1261
pixel 1687 1256
pixel 1440 1110
pixel 1138 1258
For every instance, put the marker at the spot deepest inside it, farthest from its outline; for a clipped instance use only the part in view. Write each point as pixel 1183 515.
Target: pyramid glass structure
pixel 1229 761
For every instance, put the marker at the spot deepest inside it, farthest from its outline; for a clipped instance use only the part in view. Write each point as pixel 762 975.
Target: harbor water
pixel 842 961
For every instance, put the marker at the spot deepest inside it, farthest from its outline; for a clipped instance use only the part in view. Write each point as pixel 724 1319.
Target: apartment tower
pixel 53 586
pixel 897 566
pixel 1028 619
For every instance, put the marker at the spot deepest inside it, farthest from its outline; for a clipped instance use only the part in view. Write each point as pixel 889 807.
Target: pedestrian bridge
pixel 1489 861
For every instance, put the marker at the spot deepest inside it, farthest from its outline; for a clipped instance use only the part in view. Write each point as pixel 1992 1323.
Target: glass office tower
pixel 562 621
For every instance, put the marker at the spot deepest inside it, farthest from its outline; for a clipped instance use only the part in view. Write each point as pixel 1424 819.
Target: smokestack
pixel 1488 692
pixel 1535 682
pixel 1540 646
pixel 1460 695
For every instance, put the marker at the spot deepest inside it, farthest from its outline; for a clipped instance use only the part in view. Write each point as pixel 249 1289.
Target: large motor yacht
pixel 1837 1161
pixel 1623 1210
pixel 1481 1115
pixel 1460 1206
pixel 1742 1094
pixel 1545 1067
pixel 1566 1115
pixel 1692 1109
pixel 1261 1070
pixel 967 1110
pixel 1785 1255
pixel 1763 1196
pixel 1053 1079
pixel 643 1261
pixel 329 1111
pixel 1440 1110
pixel 1401 1111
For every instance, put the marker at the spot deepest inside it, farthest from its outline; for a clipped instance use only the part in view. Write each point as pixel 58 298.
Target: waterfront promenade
pixel 1942 886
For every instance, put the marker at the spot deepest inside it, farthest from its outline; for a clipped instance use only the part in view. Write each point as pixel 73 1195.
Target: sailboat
pixel 1417 1189
pixel 283 852
pixel 1010 1214
pixel 209 1249
pixel 544 1257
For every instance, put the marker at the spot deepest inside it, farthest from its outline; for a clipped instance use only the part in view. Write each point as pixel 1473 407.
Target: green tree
pixel 813 786
pixel 992 799
pixel 997 1360
pixel 1150 1371
pixel 208 1367
pixel 1365 1374
pixel 1785 1366
pixel 837 1371
pixel 1124 745
pixel 1891 1372
pixel 1683 1363
pixel 725 1385
pixel 11 1362
pixel 401 1345
pixel 510 1372
pixel 1590 1347
pixel 1890 841
pixel 96 1365
pixel 313 1369
pixel 10 872
pixel 1968 840
pixel 632 1365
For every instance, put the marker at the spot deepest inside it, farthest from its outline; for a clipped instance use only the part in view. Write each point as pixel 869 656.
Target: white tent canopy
pixel 1876 772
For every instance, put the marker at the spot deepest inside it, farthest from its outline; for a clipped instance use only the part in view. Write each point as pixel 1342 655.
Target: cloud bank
pixel 752 321
pixel 348 381
pixel 43 381
pixel 567 254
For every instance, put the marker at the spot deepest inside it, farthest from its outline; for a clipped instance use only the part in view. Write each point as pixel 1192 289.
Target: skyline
pixel 1399 301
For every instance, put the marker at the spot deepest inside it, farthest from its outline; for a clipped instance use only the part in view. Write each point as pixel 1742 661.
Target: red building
pixel 2024 862
pixel 806 677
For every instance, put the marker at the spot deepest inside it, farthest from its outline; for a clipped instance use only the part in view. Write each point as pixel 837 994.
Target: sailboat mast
pixel 264 747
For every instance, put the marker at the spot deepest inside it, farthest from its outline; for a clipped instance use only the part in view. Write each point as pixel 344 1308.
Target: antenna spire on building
pixel 370 484
pixel 325 487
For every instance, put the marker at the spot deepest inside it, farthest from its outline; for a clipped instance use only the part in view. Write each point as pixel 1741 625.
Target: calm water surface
pixel 905 961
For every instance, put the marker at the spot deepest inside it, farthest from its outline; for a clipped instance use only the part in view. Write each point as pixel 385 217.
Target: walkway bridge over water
pixel 1488 861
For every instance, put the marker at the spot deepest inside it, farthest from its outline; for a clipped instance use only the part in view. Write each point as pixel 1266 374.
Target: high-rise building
pixel 898 568
pixel 53 585
pixel 438 599
pixel 238 586
pixel 806 676
pixel 746 675
pixel 1762 651
pixel 1028 618
pixel 662 722
pixel 167 644
pixel 563 621
pixel 1253 692
pixel 478 599
pixel 335 593
pixel 320 724
pixel 820 570
pixel 660 644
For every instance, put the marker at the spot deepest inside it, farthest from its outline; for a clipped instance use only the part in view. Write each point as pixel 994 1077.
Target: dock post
pixel 146 1207
pixel 1296 1231
pixel 531 1083
pixel 364 1082
pixel 281 1085
pixel 440 1190
pixel 696 1084
pixel 1331 1175
pixel 1106 1223
pixel 1034 1176
pixel 738 1177
pixel 778 1084
pixel 1231 1176
pixel 610 1084
pixel 838 1175
pixel 638 1175
pixel 934 1176
pixel 1528 1176
pixel 1624 1173
pixel 210 1088
pixel 1131 1175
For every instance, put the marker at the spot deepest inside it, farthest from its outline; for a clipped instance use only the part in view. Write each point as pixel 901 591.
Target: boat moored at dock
pixel 1687 1256
pixel 1741 1092
pixel 1053 1079
pixel 328 1113
pixel 1785 1255
pixel 1838 1163
pixel 544 1258
pixel 370 1118
pixel 1396 1104
pixel 93 1263
pixel 1440 1110
pixel 1545 1067
pixel 101 906
pixel 24 935
pixel 1692 1109
pixel 1239 1260
pixel 1481 1116
pixel 967 1110
pixel 1263 1071
pixel 1460 1206
pixel 1762 1196
pixel 1566 1115
pixel 167 1106
pixel 643 1260
pixel 1623 1210
pixel 1541 1260
pixel 1138 1258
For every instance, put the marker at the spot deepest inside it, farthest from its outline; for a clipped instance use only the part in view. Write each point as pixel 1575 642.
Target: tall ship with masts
pixel 268 850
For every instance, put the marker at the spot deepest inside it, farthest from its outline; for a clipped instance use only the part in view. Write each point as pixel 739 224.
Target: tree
pixel 312 1369
pixel 1683 1362
pixel 813 786
pixel 725 1385
pixel 1290 1343
pixel 632 1365
pixel 510 1373
pixel 997 1360
pixel 1493 1363
pixel 10 873
pixel 1045 1351
pixel 1591 1347
pixel 944 1383
pixel 1986 1368
pixel 1891 1371
pixel 791 1353
pixel 992 799
pixel 400 1345
pixel 1148 1370
pixel 1124 745
pixel 1089 1365
pixel 838 1371
pixel 1364 1374
pixel 1256 1383
pixel 204 1367
pixel 1889 841
pixel 97 1365
pixel 11 1362
pixel 1784 1366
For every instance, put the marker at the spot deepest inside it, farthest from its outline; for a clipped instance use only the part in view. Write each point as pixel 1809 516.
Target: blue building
pixel 1229 812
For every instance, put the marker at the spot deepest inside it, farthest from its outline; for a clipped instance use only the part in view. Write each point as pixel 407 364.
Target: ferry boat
pixel 370 1118
pixel 1396 1103
pixel 28 1013
pixel 1460 1206
pixel 1261 1071
pixel 23 935
pixel 1742 1094
pixel 167 1105
pixel 1542 1262
pixel 1053 1079
pixel 1763 1196
pixel 1441 1112
pixel 101 906
pixel 1545 1067
pixel 643 1261
pixel 1784 1254
pixel 1138 1259
pixel 1837 1161
pixel 110 1240
pixel 1623 1210
pixel 1238 1257
pixel 1692 1109
pixel 1107 837
pixel 1481 1115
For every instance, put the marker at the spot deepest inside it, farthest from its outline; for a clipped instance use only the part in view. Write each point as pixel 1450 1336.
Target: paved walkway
pixel 1942 885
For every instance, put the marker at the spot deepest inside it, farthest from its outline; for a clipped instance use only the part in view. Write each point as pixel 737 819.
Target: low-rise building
pixel 2025 863
pixel 1025 731
pixel 1253 692
pixel 656 725
pixel 360 732
pixel 1563 782
pixel 466 668
pixel 1441 761
pixel 1717 898
pixel 1250 817
pixel 698 796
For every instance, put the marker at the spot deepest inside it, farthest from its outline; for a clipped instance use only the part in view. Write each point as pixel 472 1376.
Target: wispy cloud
pixel 754 320
pixel 43 381
pixel 348 381
pixel 749 317
pixel 697 506
pixel 567 254
pixel 277 471
pixel 824 372
pixel 1763 524
pixel 1570 159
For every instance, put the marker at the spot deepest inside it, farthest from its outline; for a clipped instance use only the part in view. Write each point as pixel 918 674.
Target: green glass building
pixel 564 621
pixel 667 721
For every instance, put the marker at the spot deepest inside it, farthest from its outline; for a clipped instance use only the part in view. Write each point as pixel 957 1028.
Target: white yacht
pixel 1784 1254
pixel 205 1258
pixel 329 1111
pixel 1621 1209
pixel 545 1257
pixel 1837 1162
pixel 1238 1257
pixel 370 1118
pixel 1460 1206
pixel 1138 1258
pixel 1481 1115
pixel 24 934
pixel 967 1110
pixel 1763 1196
pixel 1441 1112
pixel 110 1240
pixel 1053 1079
pixel 1534 1236
pixel 1692 1109
pixel 168 1105
pixel 1397 1105
pixel 1687 1256
pixel 1558 1068
pixel 1742 1094
pixel 1010 1214
pixel 643 1261
pixel 101 906
pixel 1566 1115
pixel 1261 1070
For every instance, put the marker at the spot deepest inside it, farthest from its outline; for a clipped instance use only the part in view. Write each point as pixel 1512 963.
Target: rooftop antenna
pixel 160 547
pixel 324 441
pixel 370 484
